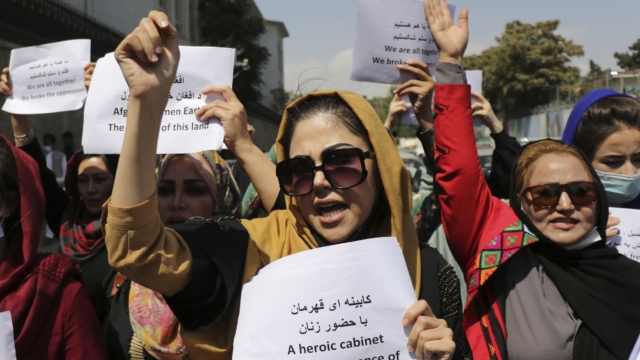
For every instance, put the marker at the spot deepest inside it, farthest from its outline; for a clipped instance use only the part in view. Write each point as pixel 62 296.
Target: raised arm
pixel 56 198
pixel 261 171
pixel 470 214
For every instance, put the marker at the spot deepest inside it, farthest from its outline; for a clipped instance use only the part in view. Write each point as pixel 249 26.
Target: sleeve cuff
pixel 130 218
pixel 450 73
pixel 502 138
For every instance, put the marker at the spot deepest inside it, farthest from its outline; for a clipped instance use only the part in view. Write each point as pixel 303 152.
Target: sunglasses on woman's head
pixel 581 193
pixel 343 169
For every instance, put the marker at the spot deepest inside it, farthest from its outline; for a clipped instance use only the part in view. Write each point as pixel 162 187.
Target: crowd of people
pixel 154 250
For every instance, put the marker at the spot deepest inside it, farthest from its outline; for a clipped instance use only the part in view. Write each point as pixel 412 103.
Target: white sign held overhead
pixel 105 114
pixel 339 302
pixel 628 241
pixel 474 78
pixel 48 78
pixel 391 32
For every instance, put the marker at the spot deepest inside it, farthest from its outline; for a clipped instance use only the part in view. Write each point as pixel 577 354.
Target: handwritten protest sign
pixel 391 32
pixel 48 78
pixel 105 114
pixel 338 302
pixel 628 242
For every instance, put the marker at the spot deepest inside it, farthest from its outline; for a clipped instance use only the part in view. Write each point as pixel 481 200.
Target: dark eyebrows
pixel 193 181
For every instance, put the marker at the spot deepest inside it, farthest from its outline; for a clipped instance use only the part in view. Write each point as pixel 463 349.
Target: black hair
pixel 602 119
pixel 67 135
pixel 50 137
pixel 110 160
pixel 338 112
pixel 9 190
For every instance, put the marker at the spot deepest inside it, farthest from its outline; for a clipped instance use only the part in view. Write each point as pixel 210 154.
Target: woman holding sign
pixel 542 283
pixel 199 266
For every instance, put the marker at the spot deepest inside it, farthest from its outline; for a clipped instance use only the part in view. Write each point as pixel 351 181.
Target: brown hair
pixel 602 119
pixel 533 152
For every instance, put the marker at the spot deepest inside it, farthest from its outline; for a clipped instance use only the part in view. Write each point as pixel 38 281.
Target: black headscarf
pixel 601 286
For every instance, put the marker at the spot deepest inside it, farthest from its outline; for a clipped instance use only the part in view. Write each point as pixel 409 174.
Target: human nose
pixel 93 188
pixel 178 201
pixel 564 203
pixel 320 180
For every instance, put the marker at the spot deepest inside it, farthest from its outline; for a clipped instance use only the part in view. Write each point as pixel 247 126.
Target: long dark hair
pixel 9 190
pixel 332 107
pixel 602 119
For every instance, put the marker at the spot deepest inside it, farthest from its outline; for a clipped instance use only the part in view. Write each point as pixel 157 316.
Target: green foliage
pixel 594 69
pixel 520 73
pixel 233 23
pixel 629 60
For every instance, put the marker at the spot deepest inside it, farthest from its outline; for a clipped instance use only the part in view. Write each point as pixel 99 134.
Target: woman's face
pixel 183 193
pixel 335 214
pixel 95 183
pixel 565 223
pixel 619 153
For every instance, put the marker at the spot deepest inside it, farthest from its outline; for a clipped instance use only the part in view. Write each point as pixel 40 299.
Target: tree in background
pixel 595 69
pixel 522 71
pixel 629 60
pixel 233 24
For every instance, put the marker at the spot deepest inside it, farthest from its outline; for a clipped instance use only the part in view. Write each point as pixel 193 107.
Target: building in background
pixel 33 22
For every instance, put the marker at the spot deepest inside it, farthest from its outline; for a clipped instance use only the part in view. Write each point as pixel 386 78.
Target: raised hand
pixel 88 73
pixel 451 39
pixel 420 91
pixel 149 56
pixel 482 108
pixel 5 84
pixel 396 108
pixel 231 113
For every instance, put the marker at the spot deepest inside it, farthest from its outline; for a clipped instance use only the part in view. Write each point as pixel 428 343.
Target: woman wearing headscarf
pixel 605 125
pixel 226 252
pixel 542 283
pixel 50 310
pixel 189 185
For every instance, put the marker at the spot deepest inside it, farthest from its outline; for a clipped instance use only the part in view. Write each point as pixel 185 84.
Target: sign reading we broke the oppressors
pixel 388 33
pixel 338 302
pixel 48 78
pixel 105 113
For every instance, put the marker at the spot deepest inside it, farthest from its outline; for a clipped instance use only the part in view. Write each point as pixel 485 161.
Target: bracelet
pixel 23 137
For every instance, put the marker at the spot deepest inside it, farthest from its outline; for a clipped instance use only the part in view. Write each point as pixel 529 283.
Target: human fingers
pixel 463 19
pixel 222 105
pixel 225 91
pixel 89 67
pixel 419 69
pixel 415 343
pixel 612 221
pixel 168 32
pixel 417 87
pixel 5 91
pixel 479 98
pixel 416 309
pixel 149 39
pixel 436 343
pixel 612 232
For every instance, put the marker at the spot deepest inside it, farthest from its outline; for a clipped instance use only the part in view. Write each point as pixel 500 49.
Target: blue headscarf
pixel 581 107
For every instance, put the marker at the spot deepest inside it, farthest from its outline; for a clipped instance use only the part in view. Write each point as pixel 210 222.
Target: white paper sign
pixel 105 114
pixel 7 343
pixel 474 78
pixel 390 32
pixel 409 116
pixel 628 242
pixel 48 78
pixel 338 302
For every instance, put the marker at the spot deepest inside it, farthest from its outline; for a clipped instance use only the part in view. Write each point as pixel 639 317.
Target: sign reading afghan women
pixel 105 115
pixel 338 302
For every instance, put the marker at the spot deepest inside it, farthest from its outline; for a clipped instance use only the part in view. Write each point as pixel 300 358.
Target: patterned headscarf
pixel 155 327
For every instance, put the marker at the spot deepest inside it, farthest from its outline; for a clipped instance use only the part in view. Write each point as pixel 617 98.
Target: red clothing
pixel 50 309
pixel 482 231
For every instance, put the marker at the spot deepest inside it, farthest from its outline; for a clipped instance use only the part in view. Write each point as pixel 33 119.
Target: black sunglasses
pixel 343 169
pixel 581 193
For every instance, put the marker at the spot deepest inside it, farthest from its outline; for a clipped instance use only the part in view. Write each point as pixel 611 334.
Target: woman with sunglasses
pixel 340 189
pixel 542 284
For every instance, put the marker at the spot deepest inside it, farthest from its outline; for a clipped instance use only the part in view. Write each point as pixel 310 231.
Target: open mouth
pixel 175 220
pixel 564 223
pixel 331 211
